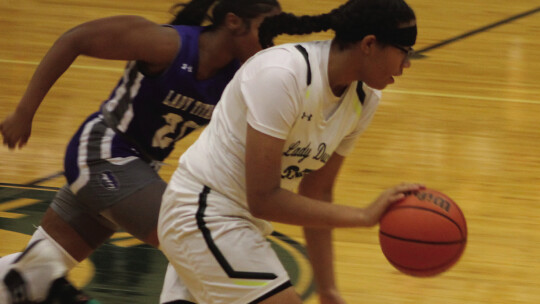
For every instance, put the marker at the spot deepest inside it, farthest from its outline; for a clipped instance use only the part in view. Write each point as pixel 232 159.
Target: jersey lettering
pixel 164 136
pixel 178 101
pixel 321 153
pixel 296 150
pixel 293 172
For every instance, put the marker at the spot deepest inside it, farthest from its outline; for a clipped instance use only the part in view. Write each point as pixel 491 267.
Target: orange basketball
pixel 424 234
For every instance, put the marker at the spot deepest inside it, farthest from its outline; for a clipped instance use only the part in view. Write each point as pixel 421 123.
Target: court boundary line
pixel 76 66
pixel 44 179
pixel 19 186
pixel 449 95
pixel 478 30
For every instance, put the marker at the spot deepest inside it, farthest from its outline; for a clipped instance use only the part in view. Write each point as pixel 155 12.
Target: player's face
pixel 388 62
pixel 393 62
pixel 248 42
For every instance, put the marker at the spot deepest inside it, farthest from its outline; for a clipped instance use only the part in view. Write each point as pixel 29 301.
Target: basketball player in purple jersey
pixel 174 77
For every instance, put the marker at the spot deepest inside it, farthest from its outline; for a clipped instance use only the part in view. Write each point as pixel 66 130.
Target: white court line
pixel 421 93
pixel 86 67
pixel 434 94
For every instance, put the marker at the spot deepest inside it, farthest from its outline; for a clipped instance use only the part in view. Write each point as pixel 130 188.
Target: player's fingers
pixel 23 141
pixel 11 144
pixel 408 187
pixel 396 197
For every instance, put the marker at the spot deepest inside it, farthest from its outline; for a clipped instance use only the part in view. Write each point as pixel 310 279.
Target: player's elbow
pixel 260 205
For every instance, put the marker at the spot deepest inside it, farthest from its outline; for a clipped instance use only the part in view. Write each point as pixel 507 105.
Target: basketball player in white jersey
pixel 285 123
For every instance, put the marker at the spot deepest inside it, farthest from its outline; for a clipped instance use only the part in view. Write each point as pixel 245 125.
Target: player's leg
pixel 219 253
pixel 229 265
pixel 288 295
pixel 138 213
pixel 38 273
pixel 73 230
pixel 55 248
pixel 174 290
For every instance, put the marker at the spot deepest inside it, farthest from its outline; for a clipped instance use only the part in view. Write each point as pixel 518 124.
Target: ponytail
pixel 351 22
pixel 192 13
pixel 196 11
pixel 287 23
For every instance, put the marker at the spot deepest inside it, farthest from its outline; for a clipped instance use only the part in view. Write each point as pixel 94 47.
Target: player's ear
pixel 234 23
pixel 368 43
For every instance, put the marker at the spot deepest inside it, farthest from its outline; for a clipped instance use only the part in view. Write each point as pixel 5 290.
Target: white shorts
pixel 221 256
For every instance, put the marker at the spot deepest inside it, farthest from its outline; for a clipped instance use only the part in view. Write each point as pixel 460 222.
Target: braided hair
pixel 196 11
pixel 351 22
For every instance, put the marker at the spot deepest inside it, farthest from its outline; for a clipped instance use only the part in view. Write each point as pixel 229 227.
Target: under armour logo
pixel 187 67
pixel 304 115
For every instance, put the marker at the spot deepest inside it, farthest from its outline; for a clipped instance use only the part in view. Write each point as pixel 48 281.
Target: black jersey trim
pixel 215 250
pixel 26 251
pixel 360 92
pixel 304 53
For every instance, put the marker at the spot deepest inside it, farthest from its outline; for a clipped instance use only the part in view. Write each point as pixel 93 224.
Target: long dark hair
pixel 195 12
pixel 351 22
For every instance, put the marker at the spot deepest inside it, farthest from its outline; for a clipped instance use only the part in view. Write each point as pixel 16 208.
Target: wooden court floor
pixel 464 120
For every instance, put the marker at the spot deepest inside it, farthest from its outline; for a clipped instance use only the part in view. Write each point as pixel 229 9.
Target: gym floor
pixel 463 120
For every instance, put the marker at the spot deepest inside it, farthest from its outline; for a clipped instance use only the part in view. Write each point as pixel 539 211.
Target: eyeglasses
pixel 409 52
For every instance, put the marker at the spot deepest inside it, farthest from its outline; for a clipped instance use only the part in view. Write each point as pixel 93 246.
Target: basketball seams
pixel 461 233
pixel 420 241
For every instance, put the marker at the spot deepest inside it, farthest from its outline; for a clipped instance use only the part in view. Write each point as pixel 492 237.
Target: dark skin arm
pixel 267 200
pixel 311 208
pixel 117 38
pixel 319 185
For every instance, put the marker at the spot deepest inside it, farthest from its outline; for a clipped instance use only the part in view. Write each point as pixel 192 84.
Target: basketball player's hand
pixel 388 197
pixel 16 129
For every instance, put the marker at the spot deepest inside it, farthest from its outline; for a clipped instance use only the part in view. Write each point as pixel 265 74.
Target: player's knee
pixel 288 296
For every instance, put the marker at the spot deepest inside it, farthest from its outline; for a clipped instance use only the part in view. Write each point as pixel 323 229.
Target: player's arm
pixel 121 37
pixel 319 185
pixel 267 200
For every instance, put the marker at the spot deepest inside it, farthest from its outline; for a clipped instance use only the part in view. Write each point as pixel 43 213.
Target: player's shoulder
pixel 284 55
pixel 292 59
pixel 279 61
pixel 291 53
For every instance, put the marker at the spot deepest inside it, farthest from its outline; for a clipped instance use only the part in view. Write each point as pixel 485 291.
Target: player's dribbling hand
pixel 16 129
pixel 388 197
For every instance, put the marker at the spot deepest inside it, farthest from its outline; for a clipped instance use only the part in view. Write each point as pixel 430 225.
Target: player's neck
pixel 337 67
pixel 214 54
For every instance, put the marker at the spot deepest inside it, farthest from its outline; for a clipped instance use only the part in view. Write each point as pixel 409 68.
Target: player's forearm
pixel 53 65
pixel 287 207
pixel 321 255
pixel 319 242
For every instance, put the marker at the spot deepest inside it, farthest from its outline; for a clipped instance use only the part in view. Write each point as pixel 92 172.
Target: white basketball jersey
pixel 278 93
